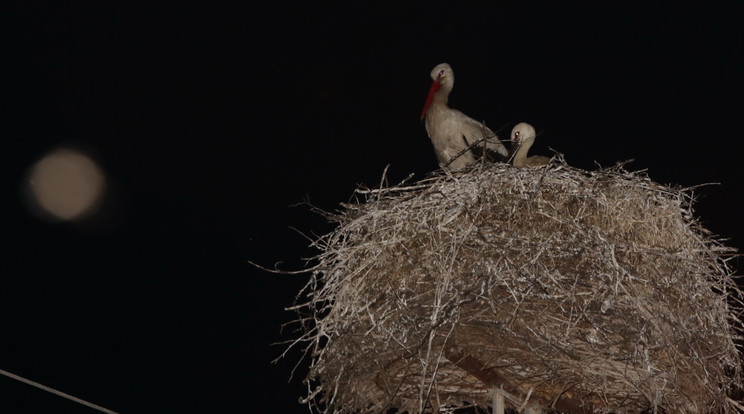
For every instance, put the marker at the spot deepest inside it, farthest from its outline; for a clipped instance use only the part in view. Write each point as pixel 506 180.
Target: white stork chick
pixel 522 138
pixel 451 131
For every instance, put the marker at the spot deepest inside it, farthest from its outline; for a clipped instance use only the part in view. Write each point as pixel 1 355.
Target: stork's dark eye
pixel 516 135
pixel 441 72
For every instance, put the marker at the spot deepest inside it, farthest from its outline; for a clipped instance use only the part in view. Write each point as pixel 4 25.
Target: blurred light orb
pixel 66 185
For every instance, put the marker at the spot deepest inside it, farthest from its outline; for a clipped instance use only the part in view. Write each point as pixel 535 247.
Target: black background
pixel 212 120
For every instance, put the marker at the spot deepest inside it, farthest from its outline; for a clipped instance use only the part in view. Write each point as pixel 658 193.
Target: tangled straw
pixel 570 290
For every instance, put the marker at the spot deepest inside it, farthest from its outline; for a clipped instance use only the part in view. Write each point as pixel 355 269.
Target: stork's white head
pixel 442 78
pixel 523 133
pixel 442 74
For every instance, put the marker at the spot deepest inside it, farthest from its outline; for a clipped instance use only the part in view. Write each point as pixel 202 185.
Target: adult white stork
pixel 522 138
pixel 451 131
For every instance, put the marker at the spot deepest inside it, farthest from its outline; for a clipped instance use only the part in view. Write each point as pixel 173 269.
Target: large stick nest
pixel 576 291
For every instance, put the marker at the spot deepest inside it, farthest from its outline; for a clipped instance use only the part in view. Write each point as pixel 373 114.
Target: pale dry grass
pixel 584 291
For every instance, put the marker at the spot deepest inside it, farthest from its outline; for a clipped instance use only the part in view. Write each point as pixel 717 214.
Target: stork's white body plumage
pixel 451 131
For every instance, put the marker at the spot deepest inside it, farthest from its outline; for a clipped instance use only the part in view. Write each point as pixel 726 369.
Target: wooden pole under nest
pixel 498 401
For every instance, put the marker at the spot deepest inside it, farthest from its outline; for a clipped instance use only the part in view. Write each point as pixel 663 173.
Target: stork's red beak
pixel 434 88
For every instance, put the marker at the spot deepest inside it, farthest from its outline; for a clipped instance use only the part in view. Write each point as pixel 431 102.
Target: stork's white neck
pixel 442 95
pixel 520 157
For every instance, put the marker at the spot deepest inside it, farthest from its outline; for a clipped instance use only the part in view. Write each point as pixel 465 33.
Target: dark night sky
pixel 211 121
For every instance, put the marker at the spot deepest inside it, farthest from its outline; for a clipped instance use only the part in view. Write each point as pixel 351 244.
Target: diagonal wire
pixel 56 392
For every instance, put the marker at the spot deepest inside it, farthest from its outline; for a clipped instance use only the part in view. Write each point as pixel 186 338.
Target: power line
pixel 56 392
